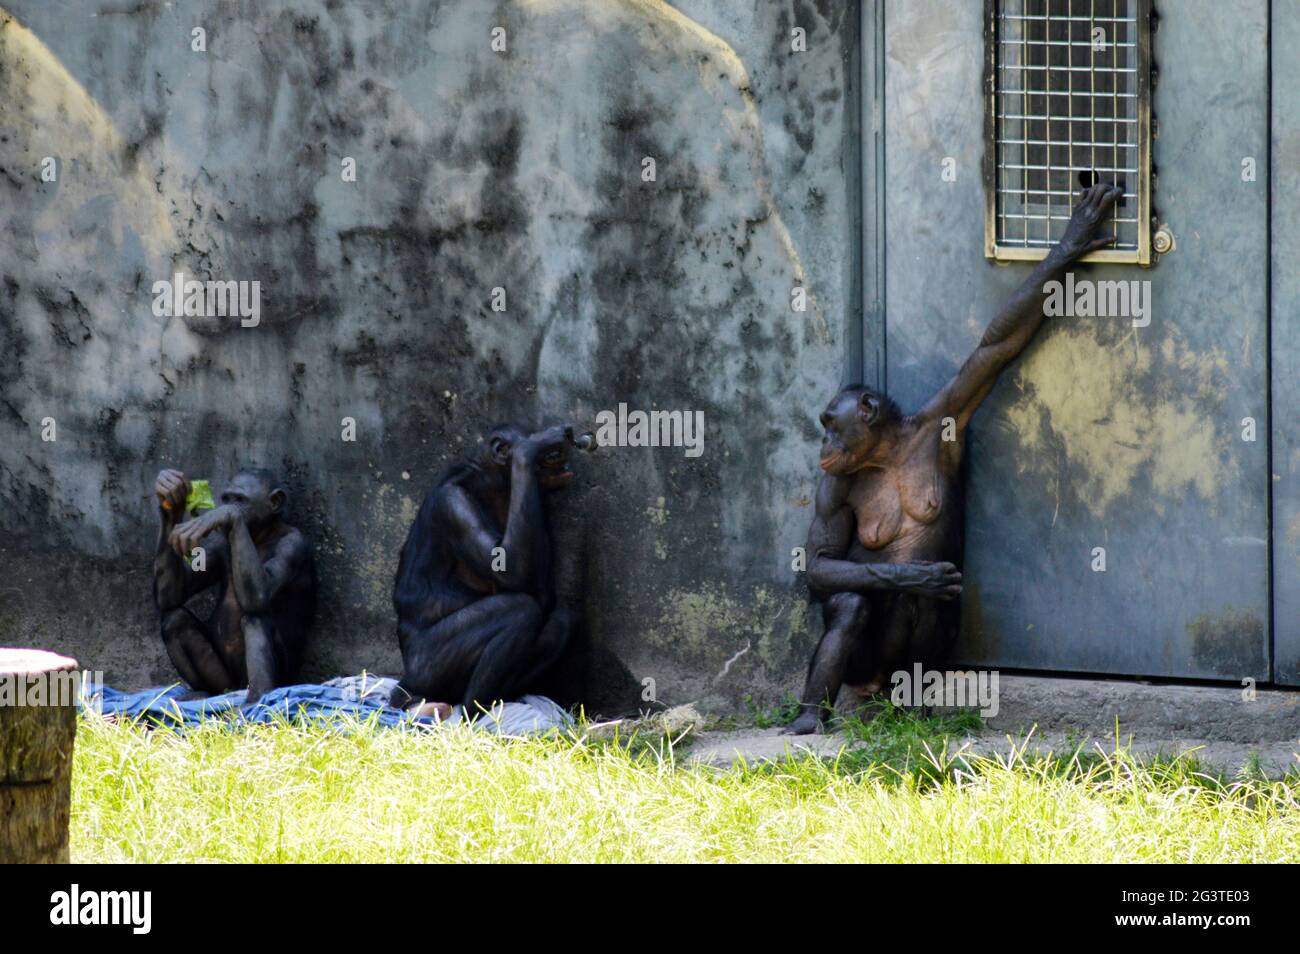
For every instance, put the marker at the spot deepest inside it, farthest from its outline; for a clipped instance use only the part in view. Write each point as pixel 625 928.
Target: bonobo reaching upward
pixel 887 530
pixel 266 578
pixel 478 620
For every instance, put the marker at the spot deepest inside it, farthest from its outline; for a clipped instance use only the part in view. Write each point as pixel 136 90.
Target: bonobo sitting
pixel 478 620
pixel 887 530
pixel 266 578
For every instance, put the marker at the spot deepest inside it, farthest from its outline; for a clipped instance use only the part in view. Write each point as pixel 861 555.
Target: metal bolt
pixel 1163 241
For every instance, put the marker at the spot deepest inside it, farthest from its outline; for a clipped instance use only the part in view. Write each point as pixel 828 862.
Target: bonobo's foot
pixel 399 698
pixel 438 711
pixel 808 722
pixel 192 695
pixel 256 692
pixel 873 686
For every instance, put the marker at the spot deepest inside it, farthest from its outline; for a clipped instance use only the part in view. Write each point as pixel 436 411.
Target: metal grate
pixel 1069 104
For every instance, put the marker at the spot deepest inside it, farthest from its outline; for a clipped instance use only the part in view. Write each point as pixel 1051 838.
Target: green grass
pixel 904 740
pixel 287 793
pixel 765 717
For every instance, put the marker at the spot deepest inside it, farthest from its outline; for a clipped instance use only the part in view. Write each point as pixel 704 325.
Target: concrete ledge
pixel 1038 715
pixel 754 746
pixel 1145 710
pixel 1272 759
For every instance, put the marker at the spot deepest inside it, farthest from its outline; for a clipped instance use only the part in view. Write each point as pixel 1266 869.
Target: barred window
pixel 1069 102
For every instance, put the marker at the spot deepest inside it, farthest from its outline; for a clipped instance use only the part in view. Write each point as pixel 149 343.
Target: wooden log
pixel 38 722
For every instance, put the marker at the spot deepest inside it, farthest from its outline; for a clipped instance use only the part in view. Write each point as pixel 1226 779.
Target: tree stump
pixel 38 721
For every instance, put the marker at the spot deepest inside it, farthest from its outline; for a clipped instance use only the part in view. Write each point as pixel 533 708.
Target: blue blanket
pixel 311 702
pixel 360 697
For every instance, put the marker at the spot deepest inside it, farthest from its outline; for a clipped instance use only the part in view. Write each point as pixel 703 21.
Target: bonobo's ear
pixel 278 498
pixel 500 449
pixel 870 407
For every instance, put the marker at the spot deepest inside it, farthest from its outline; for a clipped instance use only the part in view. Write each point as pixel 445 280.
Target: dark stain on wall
pixel 1228 642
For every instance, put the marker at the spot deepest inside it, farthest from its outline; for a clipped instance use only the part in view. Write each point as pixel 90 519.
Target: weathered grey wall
pixel 475 169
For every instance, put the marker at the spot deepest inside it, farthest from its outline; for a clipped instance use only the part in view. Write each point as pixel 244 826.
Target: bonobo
pixel 478 619
pixel 887 530
pixel 266 578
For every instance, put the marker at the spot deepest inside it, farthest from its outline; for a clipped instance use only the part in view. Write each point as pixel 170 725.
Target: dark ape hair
pixel 470 462
pixel 504 429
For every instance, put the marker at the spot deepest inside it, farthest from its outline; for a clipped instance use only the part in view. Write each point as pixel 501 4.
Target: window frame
pixel 993 250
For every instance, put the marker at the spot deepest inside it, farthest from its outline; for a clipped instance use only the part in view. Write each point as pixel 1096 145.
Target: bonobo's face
pixel 257 498
pixel 552 464
pixel 553 469
pixel 855 424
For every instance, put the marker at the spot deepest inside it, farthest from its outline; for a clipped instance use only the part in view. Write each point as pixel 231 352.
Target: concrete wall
pixel 475 169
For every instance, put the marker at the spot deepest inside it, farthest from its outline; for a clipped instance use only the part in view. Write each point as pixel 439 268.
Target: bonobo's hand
pixel 172 489
pixel 1094 206
pixel 536 446
pixel 188 535
pixel 938 580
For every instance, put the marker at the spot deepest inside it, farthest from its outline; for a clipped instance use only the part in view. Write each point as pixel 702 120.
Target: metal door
pixel 1284 248
pixel 1103 436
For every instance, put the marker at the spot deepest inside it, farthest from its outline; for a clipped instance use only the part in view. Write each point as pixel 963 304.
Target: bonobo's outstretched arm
pixel 829 570
pixel 1015 325
pixel 525 541
pixel 174 579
